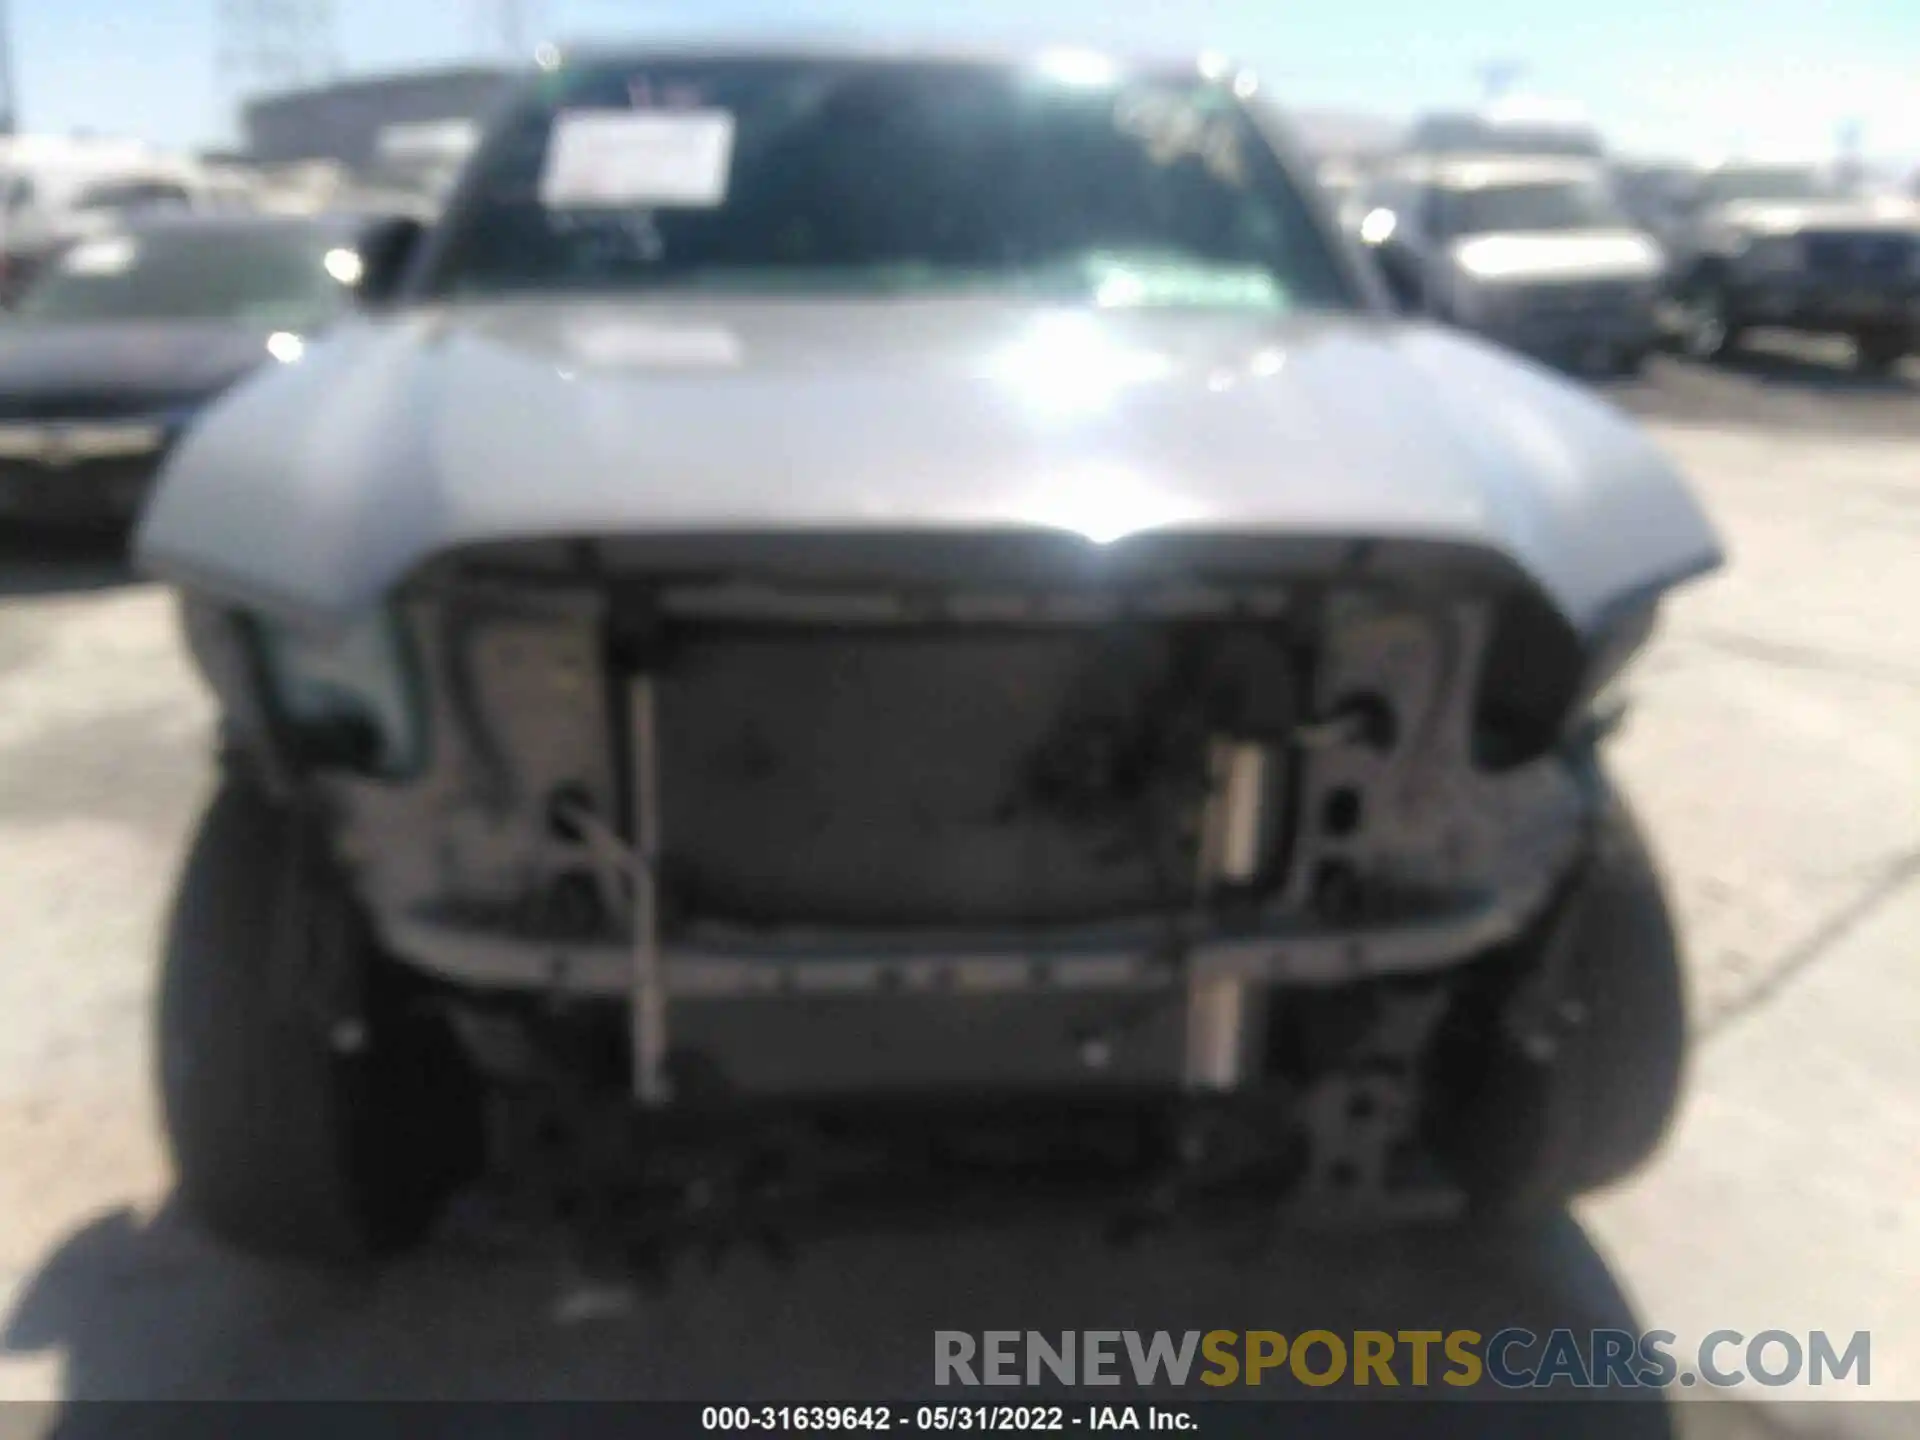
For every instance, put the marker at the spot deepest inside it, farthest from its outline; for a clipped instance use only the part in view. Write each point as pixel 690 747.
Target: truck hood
pixel 1559 255
pixel 315 487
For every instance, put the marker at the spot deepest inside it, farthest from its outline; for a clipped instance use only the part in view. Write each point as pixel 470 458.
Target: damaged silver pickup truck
pixel 859 621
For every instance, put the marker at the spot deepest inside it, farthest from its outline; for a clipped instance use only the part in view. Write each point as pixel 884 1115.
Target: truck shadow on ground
pixel 63 562
pixel 148 1308
pixel 1820 373
pixel 1773 387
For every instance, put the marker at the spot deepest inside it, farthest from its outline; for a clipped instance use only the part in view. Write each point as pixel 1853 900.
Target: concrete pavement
pixel 1775 754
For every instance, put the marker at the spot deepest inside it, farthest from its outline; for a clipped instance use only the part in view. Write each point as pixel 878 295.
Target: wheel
pixel 1877 351
pixel 298 1128
pixel 1630 362
pixel 1707 330
pixel 1526 1125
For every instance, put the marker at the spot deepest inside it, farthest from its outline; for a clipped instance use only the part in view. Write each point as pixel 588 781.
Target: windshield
pixel 288 279
pixel 1772 183
pixel 131 195
pixel 897 178
pixel 1506 209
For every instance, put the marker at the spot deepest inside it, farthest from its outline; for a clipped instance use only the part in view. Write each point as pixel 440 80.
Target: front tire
pixel 1877 352
pixel 1707 327
pixel 1631 363
pixel 299 1130
pixel 1533 1121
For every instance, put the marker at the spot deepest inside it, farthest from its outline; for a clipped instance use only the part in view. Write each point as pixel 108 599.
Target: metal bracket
pixel 611 859
pixel 1230 838
pixel 1543 1007
pixel 648 1002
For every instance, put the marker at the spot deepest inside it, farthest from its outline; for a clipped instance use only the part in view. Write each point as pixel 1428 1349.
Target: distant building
pixel 345 121
pixel 1347 136
pixel 1507 128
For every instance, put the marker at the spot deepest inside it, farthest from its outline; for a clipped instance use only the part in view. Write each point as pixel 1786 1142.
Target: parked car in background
pixel 124 338
pixel 225 189
pixel 421 159
pixel 56 189
pixel 1783 245
pixel 300 187
pixel 1655 193
pixel 872 621
pixel 1531 251
pixel 1344 184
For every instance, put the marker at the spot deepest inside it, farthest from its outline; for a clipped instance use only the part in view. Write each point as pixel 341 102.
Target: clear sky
pixel 1671 75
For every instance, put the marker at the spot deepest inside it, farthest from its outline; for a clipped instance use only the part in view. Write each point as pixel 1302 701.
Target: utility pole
pixel 1851 156
pixel 275 44
pixel 507 26
pixel 1497 78
pixel 9 118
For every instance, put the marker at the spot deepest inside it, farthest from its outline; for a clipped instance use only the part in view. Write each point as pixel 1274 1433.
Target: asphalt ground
pixel 1774 752
pixel 1797 384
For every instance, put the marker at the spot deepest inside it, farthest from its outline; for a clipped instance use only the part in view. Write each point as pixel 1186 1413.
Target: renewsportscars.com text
pixel 1512 1359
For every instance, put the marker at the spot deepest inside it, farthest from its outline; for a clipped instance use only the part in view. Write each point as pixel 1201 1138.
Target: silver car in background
pixel 1534 252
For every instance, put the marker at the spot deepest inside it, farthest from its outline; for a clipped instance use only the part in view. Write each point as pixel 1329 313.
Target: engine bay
pixel 827 837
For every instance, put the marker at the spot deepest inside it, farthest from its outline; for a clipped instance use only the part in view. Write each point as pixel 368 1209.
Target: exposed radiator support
pixel 1231 832
pixel 651 1086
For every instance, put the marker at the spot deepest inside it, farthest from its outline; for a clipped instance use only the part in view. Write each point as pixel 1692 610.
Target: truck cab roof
pixel 1484 171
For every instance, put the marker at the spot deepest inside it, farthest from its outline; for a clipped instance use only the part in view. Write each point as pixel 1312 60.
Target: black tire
pixel 293 1136
pixel 1877 352
pixel 1531 1125
pixel 1631 362
pixel 1707 327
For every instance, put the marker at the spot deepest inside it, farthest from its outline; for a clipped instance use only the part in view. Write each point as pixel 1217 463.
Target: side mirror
pixel 387 253
pixel 1400 263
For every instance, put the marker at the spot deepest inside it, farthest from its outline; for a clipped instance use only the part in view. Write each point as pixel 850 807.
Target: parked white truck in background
pixel 1530 250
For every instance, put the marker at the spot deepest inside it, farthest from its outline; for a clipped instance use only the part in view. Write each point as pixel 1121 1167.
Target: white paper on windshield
pixel 613 158
pixel 114 256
